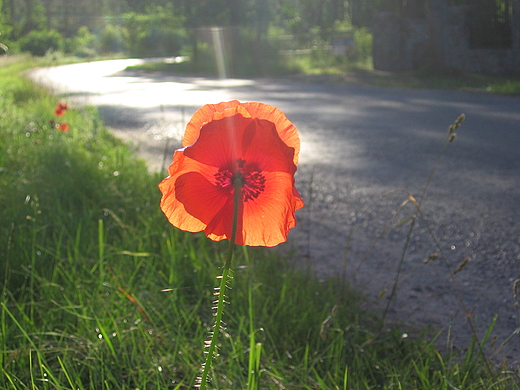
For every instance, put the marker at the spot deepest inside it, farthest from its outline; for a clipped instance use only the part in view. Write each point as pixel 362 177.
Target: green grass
pixel 462 81
pixel 98 291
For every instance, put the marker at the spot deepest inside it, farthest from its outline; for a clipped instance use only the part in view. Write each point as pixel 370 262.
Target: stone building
pixel 442 39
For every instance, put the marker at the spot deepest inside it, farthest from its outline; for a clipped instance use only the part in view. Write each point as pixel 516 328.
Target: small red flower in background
pixel 252 142
pixel 63 126
pixel 60 109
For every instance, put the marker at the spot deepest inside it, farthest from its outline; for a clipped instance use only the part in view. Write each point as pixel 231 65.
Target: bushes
pixel 39 42
pixel 83 44
pixel 156 33
pixel 363 40
pixel 112 39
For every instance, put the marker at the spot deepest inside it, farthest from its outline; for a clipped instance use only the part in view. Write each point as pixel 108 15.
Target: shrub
pixel 363 39
pixel 252 55
pixel 39 42
pixel 83 44
pixel 156 33
pixel 111 40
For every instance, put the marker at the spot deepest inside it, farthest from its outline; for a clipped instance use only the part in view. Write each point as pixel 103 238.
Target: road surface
pixel 364 148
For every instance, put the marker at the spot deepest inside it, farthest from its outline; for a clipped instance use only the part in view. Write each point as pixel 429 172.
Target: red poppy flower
pixel 60 109
pixel 63 126
pixel 252 142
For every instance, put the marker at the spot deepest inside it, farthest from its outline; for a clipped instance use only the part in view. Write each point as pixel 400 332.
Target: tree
pixel 304 16
pixel 154 33
pixel 34 18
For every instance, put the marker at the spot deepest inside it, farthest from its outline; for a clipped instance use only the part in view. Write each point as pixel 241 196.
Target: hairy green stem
pixel 222 289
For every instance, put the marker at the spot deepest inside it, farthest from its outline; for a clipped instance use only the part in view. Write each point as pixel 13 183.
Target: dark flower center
pixel 252 180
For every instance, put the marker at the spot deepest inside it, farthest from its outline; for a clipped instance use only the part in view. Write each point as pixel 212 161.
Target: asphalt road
pixel 363 149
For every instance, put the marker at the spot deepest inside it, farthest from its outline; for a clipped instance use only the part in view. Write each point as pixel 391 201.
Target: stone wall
pixel 440 41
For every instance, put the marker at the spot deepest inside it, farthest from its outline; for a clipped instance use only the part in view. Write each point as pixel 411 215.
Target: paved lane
pixel 361 146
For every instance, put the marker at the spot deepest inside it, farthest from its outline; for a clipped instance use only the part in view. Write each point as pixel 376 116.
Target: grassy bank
pixel 428 79
pixel 100 292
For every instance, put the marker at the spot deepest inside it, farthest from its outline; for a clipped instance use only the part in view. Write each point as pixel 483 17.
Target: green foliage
pixel 15 90
pixel 112 39
pixel 155 33
pixel 160 28
pixel 39 42
pixel 201 61
pixel 251 55
pixel 246 55
pixel 83 44
pixel 317 59
pixel 33 17
pixel 363 45
pixel 302 17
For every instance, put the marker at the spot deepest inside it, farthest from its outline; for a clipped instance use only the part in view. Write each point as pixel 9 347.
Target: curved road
pixel 362 147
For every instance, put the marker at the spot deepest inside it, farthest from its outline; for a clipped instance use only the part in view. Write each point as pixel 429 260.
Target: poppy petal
pixel 188 181
pixel 287 131
pixel 217 142
pixel 60 109
pixel 266 220
pixel 221 226
pixel 200 197
pixel 63 126
pixel 262 145
pixel 204 115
